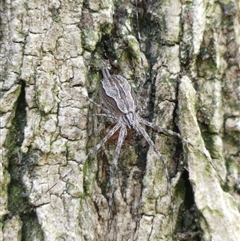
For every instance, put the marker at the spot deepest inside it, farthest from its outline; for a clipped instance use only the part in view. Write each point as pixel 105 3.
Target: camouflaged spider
pixel 119 104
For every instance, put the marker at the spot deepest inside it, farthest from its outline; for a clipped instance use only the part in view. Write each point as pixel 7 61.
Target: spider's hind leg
pixel 121 138
pixel 113 168
pixel 140 129
pixel 104 140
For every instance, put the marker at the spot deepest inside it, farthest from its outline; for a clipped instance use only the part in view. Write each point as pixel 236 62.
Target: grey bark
pixel 186 54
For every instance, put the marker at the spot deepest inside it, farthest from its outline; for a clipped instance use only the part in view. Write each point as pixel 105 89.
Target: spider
pixel 119 103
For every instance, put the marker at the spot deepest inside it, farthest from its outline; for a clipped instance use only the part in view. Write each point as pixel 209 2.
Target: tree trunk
pixel 182 58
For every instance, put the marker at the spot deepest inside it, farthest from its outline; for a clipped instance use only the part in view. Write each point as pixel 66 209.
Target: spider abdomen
pixel 116 94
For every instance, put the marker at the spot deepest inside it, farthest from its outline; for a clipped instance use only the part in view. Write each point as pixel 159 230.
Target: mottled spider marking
pixel 117 97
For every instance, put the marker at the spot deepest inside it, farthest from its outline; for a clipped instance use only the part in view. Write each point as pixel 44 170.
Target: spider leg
pixel 172 133
pixel 104 140
pixel 140 129
pixel 107 112
pixel 99 106
pixel 121 137
pixel 106 115
pixel 92 151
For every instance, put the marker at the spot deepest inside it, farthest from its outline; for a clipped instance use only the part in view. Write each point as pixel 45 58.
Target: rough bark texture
pixel 187 55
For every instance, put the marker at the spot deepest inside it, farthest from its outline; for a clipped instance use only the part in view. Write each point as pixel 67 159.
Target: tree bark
pixel 182 57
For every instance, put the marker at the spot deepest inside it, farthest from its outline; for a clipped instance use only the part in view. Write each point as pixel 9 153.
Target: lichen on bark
pixel 185 55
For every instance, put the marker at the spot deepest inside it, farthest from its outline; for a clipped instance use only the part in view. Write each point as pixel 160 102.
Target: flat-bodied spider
pixel 119 104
